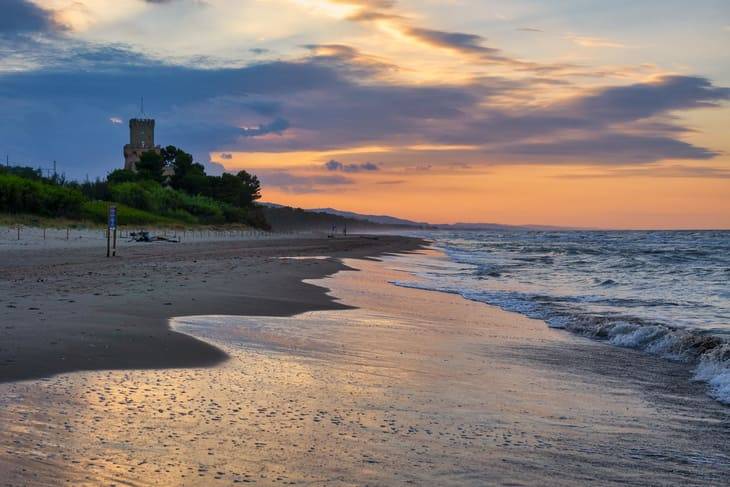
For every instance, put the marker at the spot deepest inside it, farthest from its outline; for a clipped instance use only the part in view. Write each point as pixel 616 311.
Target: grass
pixel 97 211
pixel 38 201
pixel 128 218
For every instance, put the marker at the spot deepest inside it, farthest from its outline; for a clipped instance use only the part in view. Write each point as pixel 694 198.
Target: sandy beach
pixel 69 308
pixel 204 364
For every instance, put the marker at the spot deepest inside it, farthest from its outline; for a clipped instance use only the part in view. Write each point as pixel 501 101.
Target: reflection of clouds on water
pixel 412 387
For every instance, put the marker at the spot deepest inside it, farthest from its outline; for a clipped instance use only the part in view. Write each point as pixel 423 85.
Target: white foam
pixel 717 376
pixel 670 343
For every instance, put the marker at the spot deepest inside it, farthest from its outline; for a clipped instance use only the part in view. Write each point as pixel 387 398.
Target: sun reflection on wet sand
pixel 412 387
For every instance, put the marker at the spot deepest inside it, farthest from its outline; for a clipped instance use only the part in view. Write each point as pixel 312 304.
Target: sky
pixel 565 112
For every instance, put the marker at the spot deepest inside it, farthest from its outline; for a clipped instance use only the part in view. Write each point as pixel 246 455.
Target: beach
pixel 297 361
pixel 68 307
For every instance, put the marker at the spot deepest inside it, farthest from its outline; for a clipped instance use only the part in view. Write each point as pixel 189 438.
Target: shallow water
pixel 412 388
pixel 666 293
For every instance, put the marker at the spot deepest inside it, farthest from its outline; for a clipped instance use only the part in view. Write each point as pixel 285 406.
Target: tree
pixel 121 176
pixel 189 176
pixel 251 187
pixel 168 154
pixel 239 190
pixel 150 166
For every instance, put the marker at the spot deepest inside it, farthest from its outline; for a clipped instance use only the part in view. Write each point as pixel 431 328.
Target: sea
pixel 666 293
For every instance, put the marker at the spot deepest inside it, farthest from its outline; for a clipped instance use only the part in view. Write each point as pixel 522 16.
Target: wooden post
pixel 44 233
pixel 111 226
pixel 66 233
pixel 18 232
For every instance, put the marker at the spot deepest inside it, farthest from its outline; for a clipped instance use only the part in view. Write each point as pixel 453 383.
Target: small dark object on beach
pixel 143 236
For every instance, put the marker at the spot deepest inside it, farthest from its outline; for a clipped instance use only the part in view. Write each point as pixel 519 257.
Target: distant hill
pixel 497 226
pixel 285 218
pixel 324 218
pixel 380 219
pixel 401 222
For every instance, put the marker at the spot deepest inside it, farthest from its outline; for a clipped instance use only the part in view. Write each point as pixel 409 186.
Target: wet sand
pixel 388 386
pixel 71 308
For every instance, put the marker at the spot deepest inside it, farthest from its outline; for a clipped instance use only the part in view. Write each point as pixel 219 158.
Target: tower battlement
pixel 142 133
pixel 141 140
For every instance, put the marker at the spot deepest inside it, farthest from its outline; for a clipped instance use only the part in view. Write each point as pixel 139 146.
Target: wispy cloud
pixel 653 171
pixel 336 96
pixel 297 183
pixel 597 42
pixel 23 17
pixel 335 166
pixel 277 126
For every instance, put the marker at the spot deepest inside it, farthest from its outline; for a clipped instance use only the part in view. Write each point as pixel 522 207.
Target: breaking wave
pixel 709 353
pixel 663 293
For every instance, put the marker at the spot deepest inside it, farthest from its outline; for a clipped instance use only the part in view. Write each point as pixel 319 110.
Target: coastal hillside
pixel 287 219
pixel 166 188
pixel 380 219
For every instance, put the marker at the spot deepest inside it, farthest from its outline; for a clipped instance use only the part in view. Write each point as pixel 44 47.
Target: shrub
pixel 135 195
pixel 97 211
pixel 20 195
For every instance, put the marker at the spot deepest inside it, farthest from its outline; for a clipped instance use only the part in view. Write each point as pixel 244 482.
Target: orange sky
pixel 533 195
pixel 590 113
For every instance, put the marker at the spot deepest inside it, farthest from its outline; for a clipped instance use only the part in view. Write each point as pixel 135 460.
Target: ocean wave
pixel 488 270
pixel 709 354
pixel 714 369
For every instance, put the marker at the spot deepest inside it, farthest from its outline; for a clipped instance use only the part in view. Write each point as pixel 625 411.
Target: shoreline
pixel 71 310
pixel 385 385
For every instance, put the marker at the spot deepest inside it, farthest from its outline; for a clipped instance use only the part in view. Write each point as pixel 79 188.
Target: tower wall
pixel 142 133
pixel 141 140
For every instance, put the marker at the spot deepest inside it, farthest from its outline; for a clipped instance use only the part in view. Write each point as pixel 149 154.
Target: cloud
pixel 335 97
pixel 278 126
pixel 467 44
pixel 226 156
pixel 369 4
pixel 458 41
pixel 610 125
pixel 353 60
pixel 643 100
pixel 619 149
pixel 295 183
pixel 585 41
pixel 339 166
pixel 24 17
pixel 653 171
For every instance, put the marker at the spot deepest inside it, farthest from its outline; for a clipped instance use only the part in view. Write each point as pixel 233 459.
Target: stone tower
pixel 141 140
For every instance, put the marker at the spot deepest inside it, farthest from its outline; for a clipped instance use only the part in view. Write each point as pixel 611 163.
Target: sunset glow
pixel 513 112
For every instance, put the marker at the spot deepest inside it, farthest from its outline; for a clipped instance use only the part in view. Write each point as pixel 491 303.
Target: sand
pixel 375 385
pixel 73 309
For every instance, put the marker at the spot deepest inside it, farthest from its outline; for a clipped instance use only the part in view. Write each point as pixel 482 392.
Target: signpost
pixel 111 232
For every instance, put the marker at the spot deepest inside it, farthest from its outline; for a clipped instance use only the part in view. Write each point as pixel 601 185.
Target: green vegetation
pixel 37 196
pixel 96 211
pixel 167 188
